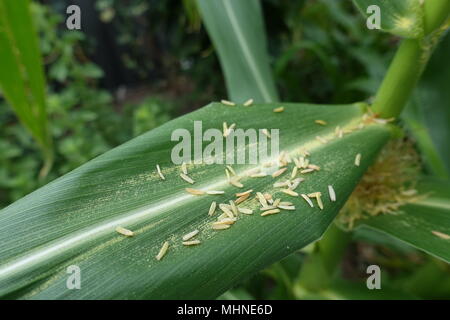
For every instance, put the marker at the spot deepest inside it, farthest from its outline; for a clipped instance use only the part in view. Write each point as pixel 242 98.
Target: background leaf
pixel 22 78
pixel 415 223
pixel 72 220
pixel 420 130
pixel 429 113
pixel 236 29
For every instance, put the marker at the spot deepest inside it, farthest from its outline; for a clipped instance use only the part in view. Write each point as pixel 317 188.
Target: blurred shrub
pixel 323 51
pixel 85 120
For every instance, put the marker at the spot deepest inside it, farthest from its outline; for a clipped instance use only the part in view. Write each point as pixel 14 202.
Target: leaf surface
pixel 72 220
pixel 236 29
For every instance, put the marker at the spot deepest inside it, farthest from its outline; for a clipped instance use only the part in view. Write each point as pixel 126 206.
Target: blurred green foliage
pixel 85 119
pixel 323 52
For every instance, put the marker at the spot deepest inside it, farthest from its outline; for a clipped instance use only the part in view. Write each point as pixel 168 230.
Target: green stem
pixel 48 163
pixel 322 264
pixel 436 12
pixel 48 156
pixel 409 62
pixel 400 80
pixel 426 281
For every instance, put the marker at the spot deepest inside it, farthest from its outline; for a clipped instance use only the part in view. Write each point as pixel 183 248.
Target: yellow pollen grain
pixel 191 243
pixel 162 252
pixel 212 208
pixel 184 168
pixel 321 122
pixel 233 208
pixel 314 167
pixel 124 232
pixel 331 193
pixel 186 178
pixel 290 192
pixel 228 174
pixel 225 210
pixel 228 103
pixel 318 196
pixel 225 221
pixel 258 175
pixel 294 172
pixel 190 235
pixel 236 183
pixel 286 207
pixel 215 192
pixel 195 192
pixel 278 172
pixel 242 198
pixel 441 235
pixel 358 159
pixel 230 168
pixel 220 226
pixel 269 212
pixel 245 211
pixel 261 199
pixel 159 172
pixel 244 193
pixel 307 199
pixel 267 196
pixel 225 129
pixel 266 133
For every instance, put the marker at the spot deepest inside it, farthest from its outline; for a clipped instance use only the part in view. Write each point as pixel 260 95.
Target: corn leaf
pixel 236 29
pixel 22 78
pixel 424 224
pixel 72 220
pixel 403 18
pixel 428 116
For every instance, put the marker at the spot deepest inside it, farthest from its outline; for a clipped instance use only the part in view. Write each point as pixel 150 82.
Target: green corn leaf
pixel 429 281
pixel 236 29
pixel 403 18
pixel 22 78
pixel 420 224
pixel 416 122
pixel 72 220
pixel 428 116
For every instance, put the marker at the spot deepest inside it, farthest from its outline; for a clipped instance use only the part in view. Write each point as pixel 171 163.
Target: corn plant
pixel 140 227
